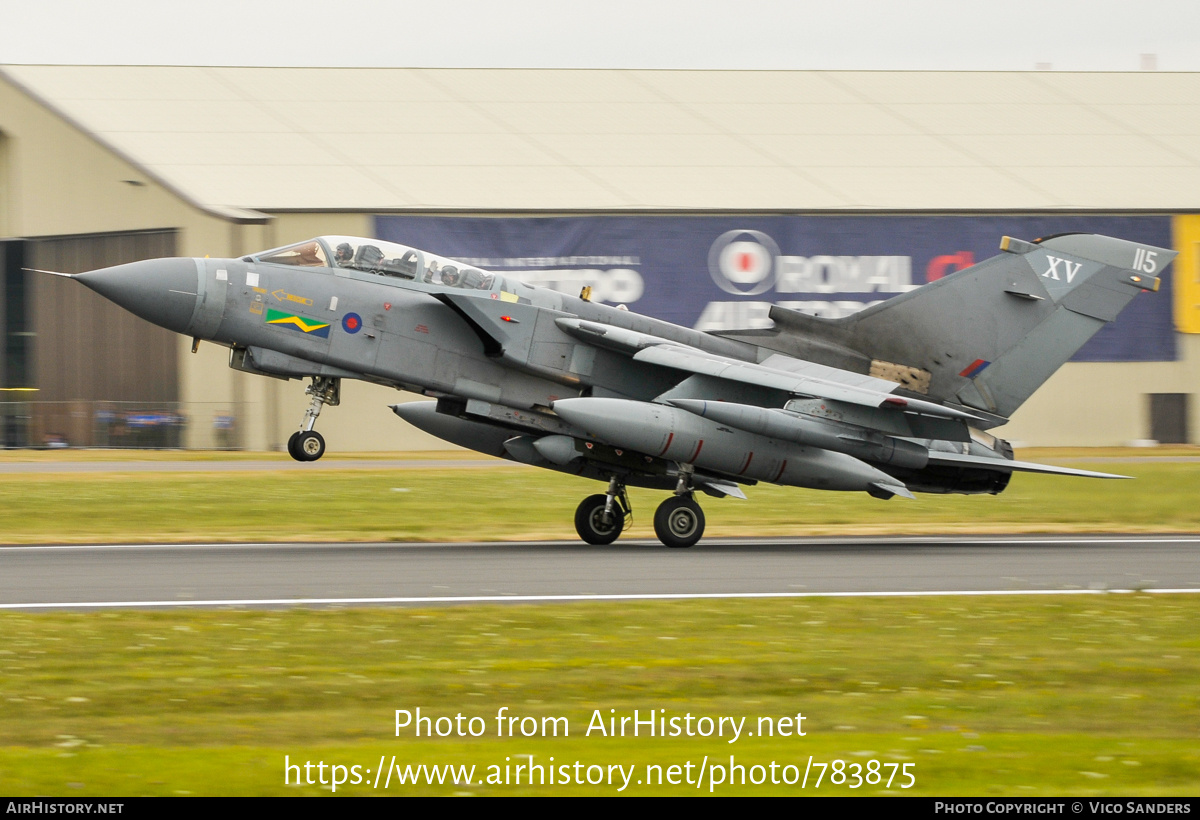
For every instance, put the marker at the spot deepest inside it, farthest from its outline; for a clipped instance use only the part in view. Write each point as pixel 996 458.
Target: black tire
pixel 679 522
pixel 310 445
pixel 589 521
pixel 291 446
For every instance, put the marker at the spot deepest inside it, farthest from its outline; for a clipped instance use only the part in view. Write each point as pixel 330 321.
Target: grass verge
pixel 1014 696
pixel 520 503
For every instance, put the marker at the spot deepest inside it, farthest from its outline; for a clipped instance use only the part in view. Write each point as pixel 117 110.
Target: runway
pixel 132 575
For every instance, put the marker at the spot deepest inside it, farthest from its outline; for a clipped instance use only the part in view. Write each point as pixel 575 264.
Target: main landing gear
pixel 678 521
pixel 599 519
pixel 306 444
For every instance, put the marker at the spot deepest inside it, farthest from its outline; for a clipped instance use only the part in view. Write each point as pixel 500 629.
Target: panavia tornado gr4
pixel 893 400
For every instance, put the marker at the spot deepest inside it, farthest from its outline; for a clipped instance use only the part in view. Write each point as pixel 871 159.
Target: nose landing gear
pixel 306 444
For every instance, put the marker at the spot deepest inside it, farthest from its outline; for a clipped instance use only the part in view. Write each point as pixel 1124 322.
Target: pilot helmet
pixel 344 252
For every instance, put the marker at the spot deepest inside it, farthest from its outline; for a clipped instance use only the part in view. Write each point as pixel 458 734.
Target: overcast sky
pixel 1100 35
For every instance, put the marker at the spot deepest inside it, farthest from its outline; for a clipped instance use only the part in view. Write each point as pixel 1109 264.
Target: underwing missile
pixel 474 435
pixel 780 424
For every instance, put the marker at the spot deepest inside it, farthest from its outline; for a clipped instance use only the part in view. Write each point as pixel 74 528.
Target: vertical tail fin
pixel 990 335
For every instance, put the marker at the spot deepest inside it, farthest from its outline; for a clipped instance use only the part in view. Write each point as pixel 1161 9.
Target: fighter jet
pixel 894 400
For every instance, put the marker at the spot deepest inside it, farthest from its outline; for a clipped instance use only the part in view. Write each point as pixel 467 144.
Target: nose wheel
pixel 306 444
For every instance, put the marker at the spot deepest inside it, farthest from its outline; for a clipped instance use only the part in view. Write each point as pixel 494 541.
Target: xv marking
pixel 1070 269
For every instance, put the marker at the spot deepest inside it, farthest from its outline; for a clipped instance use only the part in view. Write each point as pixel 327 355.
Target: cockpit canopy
pixel 384 259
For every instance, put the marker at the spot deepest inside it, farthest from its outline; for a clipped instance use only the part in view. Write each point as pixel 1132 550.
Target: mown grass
pixel 1013 696
pixel 372 504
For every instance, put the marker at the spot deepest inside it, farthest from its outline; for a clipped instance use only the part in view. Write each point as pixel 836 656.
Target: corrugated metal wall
pixel 86 348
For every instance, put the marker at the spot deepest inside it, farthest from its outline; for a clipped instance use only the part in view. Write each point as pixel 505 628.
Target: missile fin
pixel 719 489
pixel 885 491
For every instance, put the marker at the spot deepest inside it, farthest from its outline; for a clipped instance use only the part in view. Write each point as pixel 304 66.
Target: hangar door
pixel 85 348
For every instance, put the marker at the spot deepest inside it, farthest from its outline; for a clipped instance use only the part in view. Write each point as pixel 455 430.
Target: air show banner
pixel 725 272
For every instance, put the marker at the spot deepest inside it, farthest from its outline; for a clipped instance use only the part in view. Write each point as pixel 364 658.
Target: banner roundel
pixel 352 323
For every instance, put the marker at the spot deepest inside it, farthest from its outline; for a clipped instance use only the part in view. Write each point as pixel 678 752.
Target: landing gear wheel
pixel 679 522
pixel 590 524
pixel 306 444
pixel 291 447
pixel 310 445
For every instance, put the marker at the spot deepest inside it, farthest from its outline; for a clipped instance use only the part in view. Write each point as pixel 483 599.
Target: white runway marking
pixel 655 596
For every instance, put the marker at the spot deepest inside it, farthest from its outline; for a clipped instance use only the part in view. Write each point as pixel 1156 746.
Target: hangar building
pixel 839 189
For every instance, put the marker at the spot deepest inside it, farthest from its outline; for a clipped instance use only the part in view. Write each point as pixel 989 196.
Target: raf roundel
pixel 352 323
pixel 742 262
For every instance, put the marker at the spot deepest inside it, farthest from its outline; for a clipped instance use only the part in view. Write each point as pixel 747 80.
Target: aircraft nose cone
pixel 162 291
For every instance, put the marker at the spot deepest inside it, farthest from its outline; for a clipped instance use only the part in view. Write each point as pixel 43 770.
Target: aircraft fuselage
pixel 561 382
